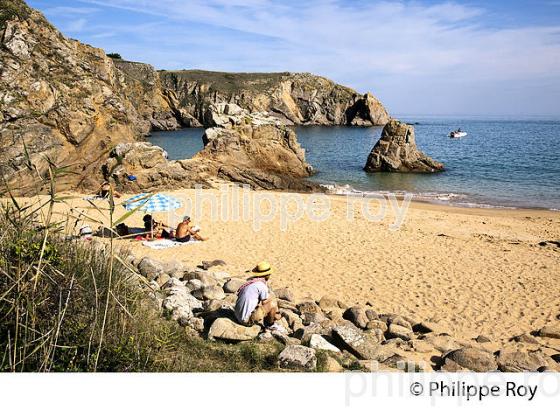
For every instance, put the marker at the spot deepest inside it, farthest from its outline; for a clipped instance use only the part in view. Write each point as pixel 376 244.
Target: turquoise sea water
pixel 502 162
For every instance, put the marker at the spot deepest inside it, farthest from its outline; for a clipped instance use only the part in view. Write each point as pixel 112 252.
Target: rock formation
pixel 294 98
pixel 243 147
pixel 396 151
pixel 60 100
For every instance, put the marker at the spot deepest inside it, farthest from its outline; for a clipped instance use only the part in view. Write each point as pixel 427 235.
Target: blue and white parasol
pixel 152 203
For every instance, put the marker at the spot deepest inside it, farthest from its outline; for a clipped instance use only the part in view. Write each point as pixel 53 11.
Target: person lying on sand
pixel 254 304
pixel 105 191
pixel 185 231
pixel 155 229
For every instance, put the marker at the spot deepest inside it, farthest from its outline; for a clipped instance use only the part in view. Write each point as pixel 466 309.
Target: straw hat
pixel 261 270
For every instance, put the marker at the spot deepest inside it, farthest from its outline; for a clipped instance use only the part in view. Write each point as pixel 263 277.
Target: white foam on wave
pixel 447 198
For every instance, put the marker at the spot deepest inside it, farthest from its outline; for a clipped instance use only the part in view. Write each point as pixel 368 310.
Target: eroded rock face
pixel 396 151
pixel 59 99
pixel 293 98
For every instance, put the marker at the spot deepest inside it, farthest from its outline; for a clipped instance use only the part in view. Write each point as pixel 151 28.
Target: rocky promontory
pixel 396 151
pixel 68 104
pixel 294 98
pixel 243 147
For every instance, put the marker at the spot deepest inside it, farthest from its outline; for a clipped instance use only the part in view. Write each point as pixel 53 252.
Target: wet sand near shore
pixel 478 271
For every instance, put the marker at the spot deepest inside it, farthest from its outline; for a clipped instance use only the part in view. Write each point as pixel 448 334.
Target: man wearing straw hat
pixel 254 304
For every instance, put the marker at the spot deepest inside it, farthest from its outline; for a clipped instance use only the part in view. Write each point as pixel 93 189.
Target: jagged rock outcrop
pixel 294 98
pixel 248 148
pixel 59 99
pixel 156 104
pixel 396 151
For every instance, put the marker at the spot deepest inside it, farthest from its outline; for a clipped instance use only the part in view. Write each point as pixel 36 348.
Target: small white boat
pixel 457 134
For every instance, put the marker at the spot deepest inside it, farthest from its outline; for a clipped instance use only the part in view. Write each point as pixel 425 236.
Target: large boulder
pixel 297 357
pixel 178 301
pixel 396 151
pixel 471 359
pixel 225 329
pixel 360 344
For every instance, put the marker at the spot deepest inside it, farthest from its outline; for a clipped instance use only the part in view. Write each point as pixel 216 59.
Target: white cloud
pixel 400 43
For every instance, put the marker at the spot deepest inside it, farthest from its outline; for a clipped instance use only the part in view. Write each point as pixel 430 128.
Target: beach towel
pixel 166 243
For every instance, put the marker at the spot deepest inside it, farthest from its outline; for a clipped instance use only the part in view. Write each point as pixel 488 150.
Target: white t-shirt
pixel 249 298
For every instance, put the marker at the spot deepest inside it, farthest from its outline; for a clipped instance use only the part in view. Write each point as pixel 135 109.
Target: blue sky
pixel 419 57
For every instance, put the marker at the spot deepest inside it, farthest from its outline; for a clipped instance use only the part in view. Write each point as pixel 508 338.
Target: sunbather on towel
pixel 155 229
pixel 185 231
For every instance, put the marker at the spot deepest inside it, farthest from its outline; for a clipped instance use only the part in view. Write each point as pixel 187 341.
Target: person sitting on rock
pixel 185 231
pixel 254 304
pixel 155 229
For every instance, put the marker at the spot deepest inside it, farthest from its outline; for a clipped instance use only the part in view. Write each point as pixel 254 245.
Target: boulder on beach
pixel 225 329
pixel 296 357
pixel 396 151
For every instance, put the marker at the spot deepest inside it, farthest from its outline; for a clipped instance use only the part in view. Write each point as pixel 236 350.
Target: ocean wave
pixel 447 198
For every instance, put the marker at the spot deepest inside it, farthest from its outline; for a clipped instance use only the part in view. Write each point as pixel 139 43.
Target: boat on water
pixel 457 133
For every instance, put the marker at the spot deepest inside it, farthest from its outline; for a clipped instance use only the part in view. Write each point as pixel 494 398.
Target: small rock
pixel 377 324
pixel 210 264
pixel 526 338
pixel 209 293
pixel 174 269
pixel 225 329
pixel 296 357
pixel 150 268
pixel 320 343
pixel 483 339
pixel 552 331
pixel 308 307
pixel 519 361
pixel 194 284
pixel 195 323
pixel 398 331
pixel 357 315
pixel 350 338
pixel 442 343
pixel 285 294
pixel 162 279
pixel 221 276
pixel 328 303
pixel 332 365
pixel 312 317
pixel 233 285
pixel 399 321
pixel 421 346
pixel 294 321
pixel 473 359
pixel 207 278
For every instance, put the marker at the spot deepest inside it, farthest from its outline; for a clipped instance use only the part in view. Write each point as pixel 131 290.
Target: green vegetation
pixel 227 82
pixel 70 305
pixel 10 9
pixel 115 56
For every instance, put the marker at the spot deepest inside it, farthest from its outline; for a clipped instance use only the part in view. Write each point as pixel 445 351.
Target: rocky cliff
pixel 67 103
pixel 294 98
pixel 60 101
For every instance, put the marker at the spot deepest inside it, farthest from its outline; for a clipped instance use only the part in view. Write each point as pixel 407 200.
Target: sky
pixel 423 57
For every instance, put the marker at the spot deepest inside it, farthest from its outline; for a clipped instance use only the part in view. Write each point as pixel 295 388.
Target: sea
pixel 501 163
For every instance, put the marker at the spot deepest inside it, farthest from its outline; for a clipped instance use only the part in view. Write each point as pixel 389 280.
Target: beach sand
pixel 478 271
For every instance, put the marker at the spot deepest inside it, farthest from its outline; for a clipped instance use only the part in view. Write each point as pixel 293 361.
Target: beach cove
pixel 477 271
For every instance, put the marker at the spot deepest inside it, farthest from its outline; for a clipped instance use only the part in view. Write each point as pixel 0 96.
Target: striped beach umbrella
pixel 152 203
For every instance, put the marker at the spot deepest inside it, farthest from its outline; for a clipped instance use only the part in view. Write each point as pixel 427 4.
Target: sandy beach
pixel 478 271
